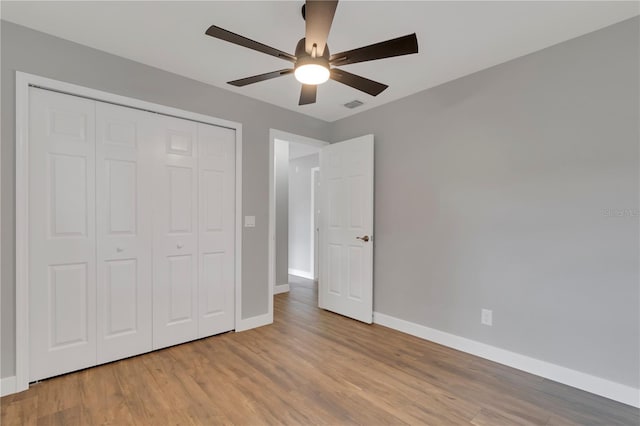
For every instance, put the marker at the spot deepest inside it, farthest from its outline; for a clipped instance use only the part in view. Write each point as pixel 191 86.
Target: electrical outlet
pixel 487 317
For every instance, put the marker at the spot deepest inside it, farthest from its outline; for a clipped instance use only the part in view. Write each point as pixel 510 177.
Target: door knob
pixel 119 249
pixel 179 245
pixel 365 238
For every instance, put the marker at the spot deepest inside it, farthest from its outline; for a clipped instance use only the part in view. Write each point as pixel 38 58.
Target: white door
pixel 346 231
pixel 175 263
pixel 62 260
pixel 124 231
pixel 216 252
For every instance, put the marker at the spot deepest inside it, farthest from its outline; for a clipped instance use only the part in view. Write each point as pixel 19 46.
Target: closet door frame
pixel 23 82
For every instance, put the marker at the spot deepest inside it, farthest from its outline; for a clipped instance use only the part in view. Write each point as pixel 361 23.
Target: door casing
pixel 315 221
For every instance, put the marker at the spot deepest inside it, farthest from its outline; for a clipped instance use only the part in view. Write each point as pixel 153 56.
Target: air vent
pixel 353 104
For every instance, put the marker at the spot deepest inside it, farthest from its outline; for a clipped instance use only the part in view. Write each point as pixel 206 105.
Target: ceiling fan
pixel 313 65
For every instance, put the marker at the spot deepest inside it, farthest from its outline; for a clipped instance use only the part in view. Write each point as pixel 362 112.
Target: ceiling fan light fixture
pixel 310 70
pixel 312 74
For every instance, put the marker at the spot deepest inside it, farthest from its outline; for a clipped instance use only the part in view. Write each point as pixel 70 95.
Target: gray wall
pixel 492 191
pixel 281 153
pixel 37 53
pixel 300 212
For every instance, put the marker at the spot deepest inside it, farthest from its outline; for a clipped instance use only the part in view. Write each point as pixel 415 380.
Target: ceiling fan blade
pixel 234 38
pixel 260 77
pixel 308 94
pixel 404 45
pixel 318 18
pixel 363 84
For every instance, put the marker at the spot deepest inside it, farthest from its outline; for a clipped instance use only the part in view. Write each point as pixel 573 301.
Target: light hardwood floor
pixel 309 367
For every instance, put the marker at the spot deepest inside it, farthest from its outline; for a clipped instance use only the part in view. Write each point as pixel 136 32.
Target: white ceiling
pixel 454 38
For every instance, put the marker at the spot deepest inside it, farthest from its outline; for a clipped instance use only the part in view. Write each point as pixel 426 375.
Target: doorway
pixel 345 239
pixel 294 209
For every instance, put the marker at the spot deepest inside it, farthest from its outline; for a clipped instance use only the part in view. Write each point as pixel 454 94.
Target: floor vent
pixel 353 104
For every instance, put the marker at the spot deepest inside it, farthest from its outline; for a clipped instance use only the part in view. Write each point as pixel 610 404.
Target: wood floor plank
pixel 309 367
pixel 490 417
pixel 23 411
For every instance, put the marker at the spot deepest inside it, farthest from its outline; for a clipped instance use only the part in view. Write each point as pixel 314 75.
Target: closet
pixel 131 231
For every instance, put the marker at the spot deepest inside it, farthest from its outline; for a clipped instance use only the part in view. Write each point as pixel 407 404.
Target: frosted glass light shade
pixel 311 74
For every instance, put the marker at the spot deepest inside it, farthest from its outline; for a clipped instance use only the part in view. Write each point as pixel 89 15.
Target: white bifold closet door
pixel 194 259
pixel 62 236
pixel 175 263
pixel 124 231
pixel 216 250
pixel 131 232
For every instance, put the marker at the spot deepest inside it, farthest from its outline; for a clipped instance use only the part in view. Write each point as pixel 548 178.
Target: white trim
pixel 254 322
pixel 271 246
pixel 290 137
pixel 2 390
pixel 238 231
pixel 23 81
pixel 312 250
pixel 281 288
pixel 7 385
pixel 302 274
pixel 596 385
pixel 22 232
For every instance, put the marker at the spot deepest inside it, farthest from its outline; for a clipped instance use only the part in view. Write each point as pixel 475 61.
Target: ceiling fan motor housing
pixel 311 69
pixel 302 54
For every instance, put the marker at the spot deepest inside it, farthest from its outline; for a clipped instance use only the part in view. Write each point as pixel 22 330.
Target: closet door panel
pixel 175 313
pixel 124 230
pixel 216 229
pixel 131 232
pixel 62 286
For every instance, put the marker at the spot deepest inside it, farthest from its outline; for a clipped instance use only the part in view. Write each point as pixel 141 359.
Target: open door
pixel 346 228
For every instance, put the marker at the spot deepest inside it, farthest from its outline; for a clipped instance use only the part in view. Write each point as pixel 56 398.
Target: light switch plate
pixel 487 317
pixel 249 221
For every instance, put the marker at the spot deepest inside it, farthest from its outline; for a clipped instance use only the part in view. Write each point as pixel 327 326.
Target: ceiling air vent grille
pixel 353 104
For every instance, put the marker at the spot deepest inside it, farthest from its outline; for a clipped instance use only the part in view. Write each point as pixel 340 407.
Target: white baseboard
pixel 7 385
pixel 301 274
pixel 281 288
pixel 596 385
pixel 254 322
